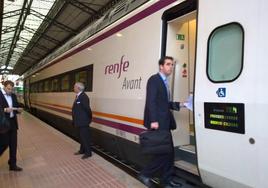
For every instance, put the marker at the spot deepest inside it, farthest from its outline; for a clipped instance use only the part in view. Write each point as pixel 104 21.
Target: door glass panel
pixel 225 53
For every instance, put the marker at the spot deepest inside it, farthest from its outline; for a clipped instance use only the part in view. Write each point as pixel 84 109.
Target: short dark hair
pixel 8 82
pixel 163 59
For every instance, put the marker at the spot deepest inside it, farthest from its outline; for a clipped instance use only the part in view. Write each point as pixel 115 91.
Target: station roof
pixel 32 29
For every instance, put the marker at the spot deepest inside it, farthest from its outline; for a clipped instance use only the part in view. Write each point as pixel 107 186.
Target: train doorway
pixel 181 44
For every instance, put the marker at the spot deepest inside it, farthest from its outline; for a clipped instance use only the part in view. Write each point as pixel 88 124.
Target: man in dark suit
pixel 82 117
pixel 157 115
pixel 9 103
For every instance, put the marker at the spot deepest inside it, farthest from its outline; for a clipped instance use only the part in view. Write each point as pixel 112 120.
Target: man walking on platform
pixel 10 106
pixel 157 116
pixel 82 117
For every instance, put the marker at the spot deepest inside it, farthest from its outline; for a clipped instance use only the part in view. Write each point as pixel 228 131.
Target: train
pixel 220 48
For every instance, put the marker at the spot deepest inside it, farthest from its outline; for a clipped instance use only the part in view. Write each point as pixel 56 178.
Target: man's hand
pixel 154 125
pixel 182 104
pixel 8 110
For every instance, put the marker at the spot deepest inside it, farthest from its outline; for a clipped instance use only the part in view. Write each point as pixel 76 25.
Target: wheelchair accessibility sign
pixel 221 92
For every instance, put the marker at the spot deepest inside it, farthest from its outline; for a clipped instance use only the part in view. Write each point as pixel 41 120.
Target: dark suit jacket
pixel 157 106
pixel 81 111
pixel 4 104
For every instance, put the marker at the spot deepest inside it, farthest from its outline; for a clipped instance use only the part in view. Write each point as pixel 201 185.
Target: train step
pixel 186 153
pixel 189 167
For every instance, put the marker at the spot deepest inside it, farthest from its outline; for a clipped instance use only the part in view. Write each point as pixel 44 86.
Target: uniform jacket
pixel 157 106
pixel 4 104
pixel 81 111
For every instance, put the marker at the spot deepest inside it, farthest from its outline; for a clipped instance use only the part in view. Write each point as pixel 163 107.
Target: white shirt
pixel 77 95
pixel 9 101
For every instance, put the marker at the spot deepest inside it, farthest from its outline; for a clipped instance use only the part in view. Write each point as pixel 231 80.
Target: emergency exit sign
pixel 180 37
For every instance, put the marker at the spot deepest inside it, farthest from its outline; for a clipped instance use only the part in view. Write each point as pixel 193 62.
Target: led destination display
pixel 225 117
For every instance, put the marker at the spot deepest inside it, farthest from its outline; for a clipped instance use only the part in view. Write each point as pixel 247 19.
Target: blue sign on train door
pixel 221 92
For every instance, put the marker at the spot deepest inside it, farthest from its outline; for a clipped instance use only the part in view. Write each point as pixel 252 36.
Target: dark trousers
pixel 12 142
pixel 12 136
pixel 163 164
pixel 9 139
pixel 3 142
pixel 85 141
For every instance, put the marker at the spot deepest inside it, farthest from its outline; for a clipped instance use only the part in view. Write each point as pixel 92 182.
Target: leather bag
pixel 156 142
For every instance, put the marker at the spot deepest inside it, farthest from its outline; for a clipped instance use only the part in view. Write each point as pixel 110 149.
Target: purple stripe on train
pixel 120 126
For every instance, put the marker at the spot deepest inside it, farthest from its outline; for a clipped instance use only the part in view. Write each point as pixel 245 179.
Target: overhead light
pixel 4 71
pixel 3 67
pixel 119 35
pixel 89 49
pixel 10 68
pixel 33 76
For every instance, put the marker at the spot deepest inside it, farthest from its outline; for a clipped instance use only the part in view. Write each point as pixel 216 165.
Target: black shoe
pixel 85 156
pixel 78 153
pixel 174 183
pixel 145 180
pixel 15 168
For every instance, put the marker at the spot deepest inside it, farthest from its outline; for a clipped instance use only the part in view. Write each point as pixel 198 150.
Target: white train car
pixel 220 49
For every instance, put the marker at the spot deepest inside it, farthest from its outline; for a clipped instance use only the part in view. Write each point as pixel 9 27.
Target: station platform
pixel 48 161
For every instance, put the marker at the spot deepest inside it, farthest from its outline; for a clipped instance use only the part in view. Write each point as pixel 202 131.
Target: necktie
pixel 167 88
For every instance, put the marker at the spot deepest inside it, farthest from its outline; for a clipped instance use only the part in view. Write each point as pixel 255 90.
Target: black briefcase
pixel 156 142
pixel 4 122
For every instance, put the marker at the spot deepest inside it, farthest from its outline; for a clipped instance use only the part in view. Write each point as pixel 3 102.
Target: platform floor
pixel 47 159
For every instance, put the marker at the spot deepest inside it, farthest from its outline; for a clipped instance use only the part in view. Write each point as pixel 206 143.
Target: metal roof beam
pixel 8 30
pixel 31 58
pixel 5 48
pixel 7 40
pixel 25 11
pixel 33 53
pixel 98 14
pixel 40 46
pixel 20 47
pixel 59 6
pixel 1 20
pixel 12 13
pixel 48 19
pixel 82 7
pixel 55 41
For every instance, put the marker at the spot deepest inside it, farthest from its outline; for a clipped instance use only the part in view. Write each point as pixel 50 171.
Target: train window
pixel 65 83
pixel 40 86
pixel 55 84
pixel 225 53
pixel 47 87
pixel 90 78
pixel 81 77
pixel 34 88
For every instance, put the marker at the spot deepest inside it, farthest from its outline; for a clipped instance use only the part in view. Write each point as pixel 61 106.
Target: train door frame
pixel 173 13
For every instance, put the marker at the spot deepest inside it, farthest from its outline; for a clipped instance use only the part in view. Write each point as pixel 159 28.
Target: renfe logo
pixel 117 68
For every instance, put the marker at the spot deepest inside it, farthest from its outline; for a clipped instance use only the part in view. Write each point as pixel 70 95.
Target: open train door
pixel 179 41
pixel 226 120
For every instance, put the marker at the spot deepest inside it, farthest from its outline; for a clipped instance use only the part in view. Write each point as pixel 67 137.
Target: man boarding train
pixel 157 116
